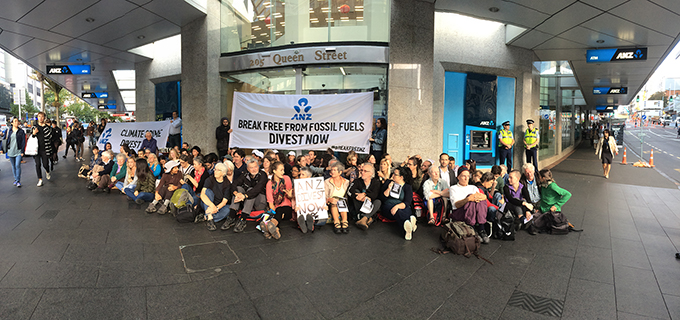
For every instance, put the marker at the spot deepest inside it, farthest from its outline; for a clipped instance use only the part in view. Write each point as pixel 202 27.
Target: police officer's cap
pixel 529 121
pixel 506 123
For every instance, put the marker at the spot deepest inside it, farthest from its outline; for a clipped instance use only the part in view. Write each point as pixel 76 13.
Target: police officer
pixel 505 143
pixel 531 143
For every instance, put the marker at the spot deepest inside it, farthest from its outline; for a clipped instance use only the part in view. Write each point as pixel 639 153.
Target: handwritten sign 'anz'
pixel 310 197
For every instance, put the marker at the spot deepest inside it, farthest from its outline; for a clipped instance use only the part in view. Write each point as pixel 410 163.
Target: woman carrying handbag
pixel 43 133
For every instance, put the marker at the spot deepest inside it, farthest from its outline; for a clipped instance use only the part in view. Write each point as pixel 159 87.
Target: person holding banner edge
pixel 378 139
pixel 175 132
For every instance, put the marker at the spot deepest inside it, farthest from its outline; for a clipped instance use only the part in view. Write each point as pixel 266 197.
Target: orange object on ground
pixel 651 158
pixel 624 156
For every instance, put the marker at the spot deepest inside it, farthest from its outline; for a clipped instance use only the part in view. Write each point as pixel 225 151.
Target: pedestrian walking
pixel 43 132
pixel 15 144
pixel 606 148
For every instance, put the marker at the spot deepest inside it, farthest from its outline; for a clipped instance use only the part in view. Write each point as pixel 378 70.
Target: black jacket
pixel 253 186
pixel 222 136
pixel 21 139
pixel 358 186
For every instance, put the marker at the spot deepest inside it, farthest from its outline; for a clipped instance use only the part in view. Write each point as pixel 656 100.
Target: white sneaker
pixel 48 175
pixel 40 183
pixel 409 230
pixel 413 223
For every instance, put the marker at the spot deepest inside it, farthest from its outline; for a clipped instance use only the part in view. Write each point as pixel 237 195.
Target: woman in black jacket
pixel 70 142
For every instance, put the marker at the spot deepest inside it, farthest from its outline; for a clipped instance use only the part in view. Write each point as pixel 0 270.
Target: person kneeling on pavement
pixel 146 183
pixel 516 195
pixel 215 196
pixel 552 200
pixel 469 203
pixel 166 187
pixel 363 194
pixel 248 194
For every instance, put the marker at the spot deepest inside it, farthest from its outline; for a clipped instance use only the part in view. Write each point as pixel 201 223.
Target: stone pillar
pixel 145 91
pixel 201 89
pixel 410 128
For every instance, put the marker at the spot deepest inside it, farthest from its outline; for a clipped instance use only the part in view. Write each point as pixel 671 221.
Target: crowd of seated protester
pixel 226 192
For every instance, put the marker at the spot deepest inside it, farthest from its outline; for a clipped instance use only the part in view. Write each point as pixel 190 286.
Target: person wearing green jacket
pixel 552 196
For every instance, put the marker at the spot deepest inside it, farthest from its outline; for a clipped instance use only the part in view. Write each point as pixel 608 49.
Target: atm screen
pixel 480 140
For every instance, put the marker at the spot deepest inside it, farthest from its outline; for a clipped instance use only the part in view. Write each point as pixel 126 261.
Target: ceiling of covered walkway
pixel 100 33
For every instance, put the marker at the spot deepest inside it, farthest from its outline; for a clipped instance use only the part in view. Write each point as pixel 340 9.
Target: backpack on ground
pixel 186 214
pixel 504 226
pixel 181 198
pixel 555 223
pixel 460 238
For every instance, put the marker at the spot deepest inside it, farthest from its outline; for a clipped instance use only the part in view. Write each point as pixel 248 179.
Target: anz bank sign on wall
pixel 615 55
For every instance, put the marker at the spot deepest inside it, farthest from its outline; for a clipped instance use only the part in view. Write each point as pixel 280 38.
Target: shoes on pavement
pixel 228 223
pixel 139 201
pixel 409 230
pixel 151 208
pixel 362 223
pixel 310 223
pixel 240 226
pixel 40 183
pixel 484 236
pixel 211 225
pixel 48 175
pixel 302 223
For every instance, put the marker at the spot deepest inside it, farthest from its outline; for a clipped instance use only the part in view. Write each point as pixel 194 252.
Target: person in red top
pixel 279 192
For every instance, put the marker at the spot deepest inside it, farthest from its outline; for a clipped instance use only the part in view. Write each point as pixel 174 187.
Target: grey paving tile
pixel 657 245
pixel 290 304
pixel 118 303
pixel 637 292
pixel 673 305
pixel 630 316
pixel 19 237
pixel 547 276
pixel 287 274
pixel 595 236
pixel 141 273
pixel 593 263
pixel 344 291
pixel 19 303
pixel 623 231
pixel 190 300
pixel 510 265
pixel 71 236
pixel 50 275
pixel 28 252
pixel 513 313
pixel 589 300
pixel 472 301
pixel 629 253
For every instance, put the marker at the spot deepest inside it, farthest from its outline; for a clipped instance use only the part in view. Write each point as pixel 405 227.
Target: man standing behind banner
pixel 505 143
pixel 175 138
pixel 530 144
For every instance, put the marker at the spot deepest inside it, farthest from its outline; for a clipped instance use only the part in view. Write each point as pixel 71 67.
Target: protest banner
pixel 133 133
pixel 342 122
pixel 310 197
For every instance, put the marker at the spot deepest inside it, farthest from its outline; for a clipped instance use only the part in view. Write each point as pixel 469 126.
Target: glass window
pixel 546 132
pixel 567 126
pixel 251 24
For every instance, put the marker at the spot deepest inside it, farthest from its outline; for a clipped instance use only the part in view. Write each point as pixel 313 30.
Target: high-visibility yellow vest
pixel 506 137
pixel 530 136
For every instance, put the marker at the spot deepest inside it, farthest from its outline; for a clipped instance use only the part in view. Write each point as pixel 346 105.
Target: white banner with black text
pixel 133 133
pixel 341 122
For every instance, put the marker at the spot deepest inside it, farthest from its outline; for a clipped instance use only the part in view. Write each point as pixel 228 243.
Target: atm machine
pixel 480 145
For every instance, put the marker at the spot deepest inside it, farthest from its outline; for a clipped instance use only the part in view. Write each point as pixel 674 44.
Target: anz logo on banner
pixel 610 90
pixel 613 55
pixel 302 110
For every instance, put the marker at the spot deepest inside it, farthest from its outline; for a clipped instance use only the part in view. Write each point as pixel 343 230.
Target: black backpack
pixel 186 214
pixel 553 222
pixel 504 226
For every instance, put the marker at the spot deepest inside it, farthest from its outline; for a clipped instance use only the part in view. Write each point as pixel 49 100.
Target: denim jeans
pixel 191 192
pixel 148 197
pixel 222 213
pixel 121 186
pixel 16 167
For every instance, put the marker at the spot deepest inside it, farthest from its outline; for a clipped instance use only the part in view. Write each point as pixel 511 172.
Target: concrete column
pixel 201 85
pixel 145 109
pixel 410 110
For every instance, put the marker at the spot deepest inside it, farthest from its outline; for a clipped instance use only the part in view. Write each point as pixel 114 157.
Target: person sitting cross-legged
pixel 363 195
pixel 279 197
pixel 166 187
pixel 469 204
pixel 397 198
pixel 248 192
pixel 146 183
pixel 215 194
pixel 516 195
pixel 433 189
pixel 336 188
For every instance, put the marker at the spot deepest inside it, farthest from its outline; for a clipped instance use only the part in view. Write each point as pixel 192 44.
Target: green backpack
pixel 181 198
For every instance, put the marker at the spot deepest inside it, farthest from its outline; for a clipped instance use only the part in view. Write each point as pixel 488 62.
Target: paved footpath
pixel 66 253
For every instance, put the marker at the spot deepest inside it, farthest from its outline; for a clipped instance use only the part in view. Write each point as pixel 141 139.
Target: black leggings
pixel 45 163
pixel 73 146
pixel 285 212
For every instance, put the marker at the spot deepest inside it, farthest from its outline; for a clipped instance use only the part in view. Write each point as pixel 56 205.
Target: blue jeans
pixel 16 167
pixel 191 192
pixel 121 187
pixel 222 213
pixel 148 197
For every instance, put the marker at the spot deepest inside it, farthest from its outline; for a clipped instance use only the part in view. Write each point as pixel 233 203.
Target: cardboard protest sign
pixel 310 197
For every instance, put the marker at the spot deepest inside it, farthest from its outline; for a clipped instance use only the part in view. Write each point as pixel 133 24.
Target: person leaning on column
pixel 505 143
pixel 531 144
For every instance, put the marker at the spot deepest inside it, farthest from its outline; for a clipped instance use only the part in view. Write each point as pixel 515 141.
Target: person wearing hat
pixel 531 144
pixel 166 187
pixel 505 143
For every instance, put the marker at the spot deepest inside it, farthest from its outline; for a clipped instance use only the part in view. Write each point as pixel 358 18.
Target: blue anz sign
pixel 74 69
pixel 614 55
pixel 610 90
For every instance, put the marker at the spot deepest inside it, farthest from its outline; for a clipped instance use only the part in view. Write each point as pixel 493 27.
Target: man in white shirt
pixel 175 137
pixel 446 173
pixel 469 204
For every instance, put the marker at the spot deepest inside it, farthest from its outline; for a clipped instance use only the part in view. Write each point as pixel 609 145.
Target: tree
pixel 27 109
pixel 56 89
pixel 657 95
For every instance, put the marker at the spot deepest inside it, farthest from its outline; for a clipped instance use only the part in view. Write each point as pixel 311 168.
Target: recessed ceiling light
pixel 89 19
pixel 494 9
pixel 140 37
pixel 600 41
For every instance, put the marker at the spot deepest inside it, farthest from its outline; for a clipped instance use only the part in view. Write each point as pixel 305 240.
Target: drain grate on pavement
pixel 537 304
pixel 49 214
pixel 207 256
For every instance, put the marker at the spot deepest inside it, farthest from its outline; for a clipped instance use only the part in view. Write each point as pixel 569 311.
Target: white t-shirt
pixel 444 175
pixel 458 192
